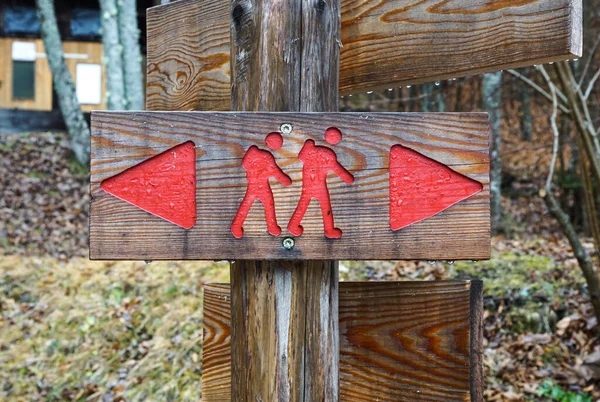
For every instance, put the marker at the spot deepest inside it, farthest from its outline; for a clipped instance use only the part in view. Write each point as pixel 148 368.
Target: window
pixel 23 80
pixel 23 70
pixel 85 23
pixel 21 20
pixel 89 83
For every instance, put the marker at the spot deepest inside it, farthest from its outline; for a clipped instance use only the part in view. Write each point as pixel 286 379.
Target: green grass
pixel 93 330
pixel 554 392
pixel 531 288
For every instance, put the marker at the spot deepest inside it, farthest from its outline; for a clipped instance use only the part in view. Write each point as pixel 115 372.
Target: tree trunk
pixel 132 57
pixel 458 107
pixel 412 98
pixel 592 277
pixel 525 95
pixel 79 131
pixel 113 54
pixel 285 335
pixel 439 97
pixel 492 85
pixel 402 103
pixel 427 97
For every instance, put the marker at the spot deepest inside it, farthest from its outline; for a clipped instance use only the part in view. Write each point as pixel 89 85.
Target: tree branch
pixel 554 125
pixel 537 88
pixel 588 63
pixel 590 87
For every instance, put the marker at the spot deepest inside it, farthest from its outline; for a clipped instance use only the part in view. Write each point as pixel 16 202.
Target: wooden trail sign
pixel 237 186
pixel 382 185
pixel 383 44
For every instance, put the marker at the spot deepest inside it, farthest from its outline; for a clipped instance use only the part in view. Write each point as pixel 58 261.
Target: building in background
pixel 25 77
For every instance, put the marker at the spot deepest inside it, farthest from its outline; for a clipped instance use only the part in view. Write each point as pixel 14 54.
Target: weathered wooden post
pixel 181 185
pixel 284 333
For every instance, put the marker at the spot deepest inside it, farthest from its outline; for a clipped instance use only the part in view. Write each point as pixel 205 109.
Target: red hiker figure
pixel 318 162
pixel 260 165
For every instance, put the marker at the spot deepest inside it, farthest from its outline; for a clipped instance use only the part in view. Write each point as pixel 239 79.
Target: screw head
pixel 288 243
pixel 286 128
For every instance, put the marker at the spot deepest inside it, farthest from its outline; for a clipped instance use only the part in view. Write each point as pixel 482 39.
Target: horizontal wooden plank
pixel 384 44
pixel 120 140
pixel 361 210
pixel 188 56
pixel 399 42
pixel 399 341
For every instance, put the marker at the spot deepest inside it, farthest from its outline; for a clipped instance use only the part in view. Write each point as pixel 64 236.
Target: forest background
pixel 71 329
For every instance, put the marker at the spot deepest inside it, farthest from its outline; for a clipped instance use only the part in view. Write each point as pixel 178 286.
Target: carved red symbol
pixel 260 165
pixel 164 185
pixel 421 187
pixel 318 162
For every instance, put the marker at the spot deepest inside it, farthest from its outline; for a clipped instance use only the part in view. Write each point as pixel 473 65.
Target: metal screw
pixel 288 243
pixel 286 128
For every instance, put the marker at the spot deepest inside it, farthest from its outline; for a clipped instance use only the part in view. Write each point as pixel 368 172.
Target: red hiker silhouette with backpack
pixel 318 162
pixel 260 165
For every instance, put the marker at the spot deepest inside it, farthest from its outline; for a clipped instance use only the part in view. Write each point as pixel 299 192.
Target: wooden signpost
pixel 382 44
pixel 391 193
pixel 286 185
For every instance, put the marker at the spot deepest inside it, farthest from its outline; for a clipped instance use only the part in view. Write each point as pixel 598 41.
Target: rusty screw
pixel 288 243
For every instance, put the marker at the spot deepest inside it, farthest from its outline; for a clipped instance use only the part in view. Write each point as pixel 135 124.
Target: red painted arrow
pixel 421 187
pixel 164 185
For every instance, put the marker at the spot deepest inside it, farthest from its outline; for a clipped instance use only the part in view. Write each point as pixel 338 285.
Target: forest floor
pixel 71 329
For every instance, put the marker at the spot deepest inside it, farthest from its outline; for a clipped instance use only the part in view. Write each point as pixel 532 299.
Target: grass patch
pixel 102 331
pixel 530 289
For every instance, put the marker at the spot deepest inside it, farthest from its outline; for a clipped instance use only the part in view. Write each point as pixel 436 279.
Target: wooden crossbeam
pixel 362 209
pixel 383 44
pixel 399 341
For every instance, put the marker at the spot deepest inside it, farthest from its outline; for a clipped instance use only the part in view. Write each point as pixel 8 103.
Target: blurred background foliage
pixel 71 329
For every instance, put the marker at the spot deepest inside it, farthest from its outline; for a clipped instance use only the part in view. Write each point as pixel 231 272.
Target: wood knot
pixel 237 14
pixel 321 6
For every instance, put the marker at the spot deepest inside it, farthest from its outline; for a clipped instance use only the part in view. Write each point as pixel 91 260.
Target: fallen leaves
pixel 71 328
pixel 45 197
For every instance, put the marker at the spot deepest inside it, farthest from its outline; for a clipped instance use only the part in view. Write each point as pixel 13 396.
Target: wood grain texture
pixel 216 343
pixel 188 56
pixel 124 139
pixel 477 375
pixel 284 331
pixel 383 44
pixel 391 43
pixel 285 335
pixel 399 341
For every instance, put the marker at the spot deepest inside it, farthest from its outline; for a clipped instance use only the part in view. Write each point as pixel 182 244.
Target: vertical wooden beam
pixel 285 333
pixel 477 380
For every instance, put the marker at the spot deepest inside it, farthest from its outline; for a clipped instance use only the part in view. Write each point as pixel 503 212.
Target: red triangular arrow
pixel 421 187
pixel 164 185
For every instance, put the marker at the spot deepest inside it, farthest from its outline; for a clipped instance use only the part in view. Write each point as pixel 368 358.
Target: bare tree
pixel 526 127
pixel 427 97
pixel 113 53
pixel 79 132
pixel 576 100
pixel 492 86
pixel 441 103
pixel 132 58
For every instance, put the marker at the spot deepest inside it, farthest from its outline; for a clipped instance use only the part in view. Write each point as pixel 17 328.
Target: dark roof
pixel 64 13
